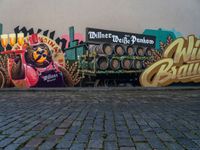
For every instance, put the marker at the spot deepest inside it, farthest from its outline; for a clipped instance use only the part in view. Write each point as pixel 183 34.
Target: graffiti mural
pixel 106 58
pixel 63 40
pixel 35 62
pixel 59 41
pixel 180 63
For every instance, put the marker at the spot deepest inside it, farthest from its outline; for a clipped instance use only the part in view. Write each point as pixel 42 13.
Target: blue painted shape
pixel 161 35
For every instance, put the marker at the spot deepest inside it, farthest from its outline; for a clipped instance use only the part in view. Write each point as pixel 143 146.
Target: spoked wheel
pixel 110 83
pixel 99 83
pixel 105 83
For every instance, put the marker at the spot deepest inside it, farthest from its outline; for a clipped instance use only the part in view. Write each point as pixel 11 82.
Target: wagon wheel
pixel 99 83
pixel 105 83
pixel 110 83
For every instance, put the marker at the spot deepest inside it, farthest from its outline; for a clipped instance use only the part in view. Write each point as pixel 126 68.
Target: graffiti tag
pixel 180 63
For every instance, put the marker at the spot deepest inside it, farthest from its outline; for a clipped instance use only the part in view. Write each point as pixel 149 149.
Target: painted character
pixel 36 68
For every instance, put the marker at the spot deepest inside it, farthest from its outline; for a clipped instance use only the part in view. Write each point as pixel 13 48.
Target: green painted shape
pixel 71 33
pixel 83 65
pixel 70 54
pixel 1 28
pixel 73 52
pixel 73 43
pixel 161 35
pixel 79 51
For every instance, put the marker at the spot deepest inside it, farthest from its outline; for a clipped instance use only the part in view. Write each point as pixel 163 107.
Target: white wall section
pixel 121 15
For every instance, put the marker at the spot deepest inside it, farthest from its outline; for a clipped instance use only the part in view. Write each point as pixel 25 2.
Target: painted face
pixel 40 53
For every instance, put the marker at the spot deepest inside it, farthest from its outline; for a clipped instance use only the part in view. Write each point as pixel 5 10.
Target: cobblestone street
pixel 100 119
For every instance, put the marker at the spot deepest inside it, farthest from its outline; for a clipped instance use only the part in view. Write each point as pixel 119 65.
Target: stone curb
pixel 83 89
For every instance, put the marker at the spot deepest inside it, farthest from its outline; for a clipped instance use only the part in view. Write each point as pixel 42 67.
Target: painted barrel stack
pixel 115 57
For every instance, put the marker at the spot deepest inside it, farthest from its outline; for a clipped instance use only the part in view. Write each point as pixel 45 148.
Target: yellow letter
pixel 158 74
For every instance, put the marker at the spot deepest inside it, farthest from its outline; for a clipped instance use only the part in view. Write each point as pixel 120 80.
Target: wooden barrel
pixel 115 64
pixel 101 63
pixel 93 48
pixel 130 50
pixel 126 63
pixel 107 49
pixel 119 50
pixel 144 64
pixel 148 52
pixel 104 48
pixel 137 65
pixel 140 51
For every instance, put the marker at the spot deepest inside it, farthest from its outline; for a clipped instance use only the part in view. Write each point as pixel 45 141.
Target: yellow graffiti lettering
pixel 151 77
pixel 180 63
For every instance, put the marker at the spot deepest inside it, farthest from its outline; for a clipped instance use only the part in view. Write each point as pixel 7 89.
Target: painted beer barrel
pixel 130 50
pixel 115 64
pixel 144 64
pixel 119 50
pixel 93 48
pixel 137 65
pixel 101 63
pixel 148 52
pixel 104 48
pixel 126 63
pixel 140 51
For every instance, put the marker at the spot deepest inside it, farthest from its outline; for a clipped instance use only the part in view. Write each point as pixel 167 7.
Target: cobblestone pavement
pixel 104 119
